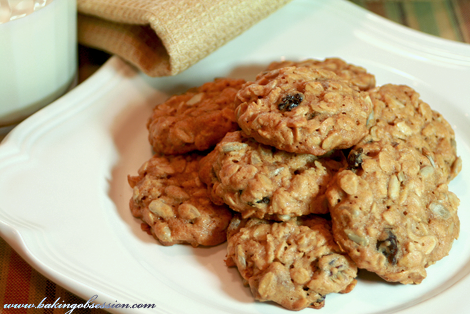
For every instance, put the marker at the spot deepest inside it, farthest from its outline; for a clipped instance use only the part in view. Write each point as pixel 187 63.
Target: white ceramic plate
pixel 64 193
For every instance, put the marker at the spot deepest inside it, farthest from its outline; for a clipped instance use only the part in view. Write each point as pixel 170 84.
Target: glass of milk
pixel 38 55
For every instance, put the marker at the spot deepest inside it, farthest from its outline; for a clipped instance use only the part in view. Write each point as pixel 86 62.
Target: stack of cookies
pixel 309 172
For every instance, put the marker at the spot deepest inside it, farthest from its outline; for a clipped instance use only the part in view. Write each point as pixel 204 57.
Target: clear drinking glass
pixel 38 55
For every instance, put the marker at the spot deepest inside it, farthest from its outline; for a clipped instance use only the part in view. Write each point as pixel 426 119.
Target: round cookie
pixel 195 120
pixel 400 114
pixel 303 110
pixel 390 213
pixel 260 181
pixel 356 75
pixel 170 198
pixel 295 263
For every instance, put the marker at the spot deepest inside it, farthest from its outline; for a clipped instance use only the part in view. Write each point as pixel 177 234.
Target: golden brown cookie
pixel 261 181
pixel 295 263
pixel 356 75
pixel 195 120
pixel 303 110
pixel 170 198
pixel 391 213
pixel 400 114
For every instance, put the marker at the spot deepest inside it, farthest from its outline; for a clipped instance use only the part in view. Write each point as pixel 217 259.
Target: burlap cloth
pixel 165 37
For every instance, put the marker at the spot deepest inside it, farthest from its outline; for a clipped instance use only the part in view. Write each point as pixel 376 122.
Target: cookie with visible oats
pixel 356 75
pixel 294 263
pixel 195 120
pixel 390 211
pixel 400 114
pixel 170 198
pixel 303 110
pixel 261 181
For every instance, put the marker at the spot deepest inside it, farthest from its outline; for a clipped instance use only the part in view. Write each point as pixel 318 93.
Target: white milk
pixel 38 55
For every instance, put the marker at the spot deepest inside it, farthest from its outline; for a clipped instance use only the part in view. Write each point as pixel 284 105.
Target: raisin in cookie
pixel 170 198
pixel 303 110
pixel 261 181
pixel 390 213
pixel 195 120
pixel 400 114
pixel 356 75
pixel 295 263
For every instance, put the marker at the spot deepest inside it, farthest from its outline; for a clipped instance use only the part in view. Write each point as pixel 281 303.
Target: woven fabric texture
pixel 165 37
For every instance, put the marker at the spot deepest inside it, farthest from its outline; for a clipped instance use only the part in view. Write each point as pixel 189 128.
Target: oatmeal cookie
pixel 261 181
pixel 303 110
pixel 295 263
pixel 391 213
pixel 170 198
pixel 356 75
pixel 400 114
pixel 195 120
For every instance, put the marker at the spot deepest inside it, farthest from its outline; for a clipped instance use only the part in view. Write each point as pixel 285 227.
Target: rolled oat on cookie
pixel 195 120
pixel 169 197
pixel 400 114
pixel 295 263
pixel 261 181
pixel 390 212
pixel 356 75
pixel 303 110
